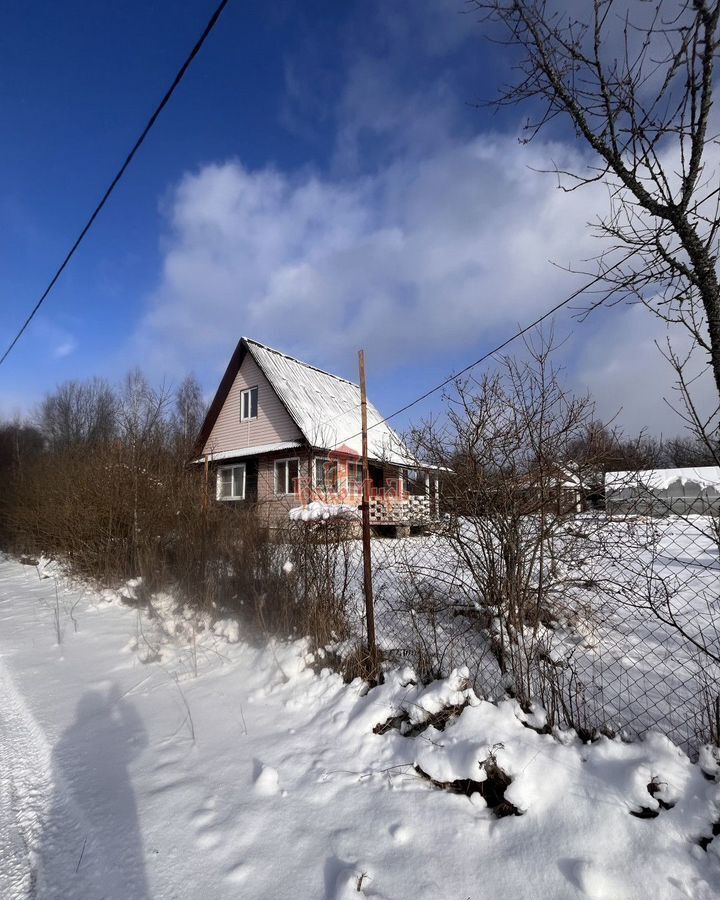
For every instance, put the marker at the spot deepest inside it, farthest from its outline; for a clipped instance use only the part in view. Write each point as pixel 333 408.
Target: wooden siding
pixel 276 506
pixel 273 423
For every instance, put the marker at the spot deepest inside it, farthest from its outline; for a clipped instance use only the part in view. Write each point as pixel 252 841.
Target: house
pixel 559 489
pixel 658 492
pixel 568 490
pixel 280 434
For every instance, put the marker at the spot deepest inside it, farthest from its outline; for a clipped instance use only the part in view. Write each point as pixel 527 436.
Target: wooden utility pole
pixel 205 487
pixel 367 558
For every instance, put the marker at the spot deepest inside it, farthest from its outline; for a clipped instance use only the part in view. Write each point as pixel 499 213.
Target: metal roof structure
pixel 325 407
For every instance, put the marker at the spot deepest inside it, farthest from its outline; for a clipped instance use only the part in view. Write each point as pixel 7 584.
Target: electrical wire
pixel 121 171
pixel 546 315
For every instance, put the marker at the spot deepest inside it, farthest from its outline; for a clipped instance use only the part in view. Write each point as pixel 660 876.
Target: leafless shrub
pixel 708 724
pixel 291 580
pixel 511 499
pixel 427 612
pixel 114 498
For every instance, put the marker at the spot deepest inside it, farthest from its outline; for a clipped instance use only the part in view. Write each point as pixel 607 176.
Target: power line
pixel 546 315
pixel 121 171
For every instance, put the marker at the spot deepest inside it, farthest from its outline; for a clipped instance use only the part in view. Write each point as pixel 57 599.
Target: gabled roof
pixel 325 407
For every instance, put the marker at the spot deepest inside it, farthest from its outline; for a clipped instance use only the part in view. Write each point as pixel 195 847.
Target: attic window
pixel 249 404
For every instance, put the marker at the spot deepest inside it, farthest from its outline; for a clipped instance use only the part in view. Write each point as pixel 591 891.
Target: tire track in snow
pixel 42 830
pixel 25 788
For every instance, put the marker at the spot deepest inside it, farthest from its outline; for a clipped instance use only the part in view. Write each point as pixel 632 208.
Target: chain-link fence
pixel 590 595
pixel 609 623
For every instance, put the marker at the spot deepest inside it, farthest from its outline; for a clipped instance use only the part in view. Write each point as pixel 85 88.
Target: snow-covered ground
pixel 215 769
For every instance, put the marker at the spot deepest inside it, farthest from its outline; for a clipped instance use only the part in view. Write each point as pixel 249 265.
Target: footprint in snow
pixel 165 764
pixel 207 839
pixel 592 879
pixel 172 785
pixel 237 872
pixel 202 817
pixel 345 880
pixel 399 833
pixel 266 780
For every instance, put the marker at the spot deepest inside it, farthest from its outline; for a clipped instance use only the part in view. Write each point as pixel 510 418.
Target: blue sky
pixel 323 179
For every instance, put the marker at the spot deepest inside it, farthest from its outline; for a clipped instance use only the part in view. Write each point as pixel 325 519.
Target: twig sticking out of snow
pixel 242 716
pixel 188 718
pixel 82 853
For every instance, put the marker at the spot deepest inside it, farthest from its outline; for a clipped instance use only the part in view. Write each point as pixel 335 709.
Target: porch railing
pixel 414 509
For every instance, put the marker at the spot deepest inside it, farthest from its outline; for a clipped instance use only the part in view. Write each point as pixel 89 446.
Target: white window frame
pixel 247 392
pixel 324 459
pixel 218 482
pixel 289 488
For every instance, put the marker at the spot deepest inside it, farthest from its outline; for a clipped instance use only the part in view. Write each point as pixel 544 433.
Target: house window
pixel 248 404
pixel 326 472
pixel 355 476
pixel 287 472
pixel 231 482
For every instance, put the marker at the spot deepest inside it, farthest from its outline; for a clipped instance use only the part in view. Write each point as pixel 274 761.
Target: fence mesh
pixel 609 623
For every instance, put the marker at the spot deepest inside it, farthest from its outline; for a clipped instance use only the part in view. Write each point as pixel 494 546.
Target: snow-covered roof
pixel 661 479
pixel 568 477
pixel 326 408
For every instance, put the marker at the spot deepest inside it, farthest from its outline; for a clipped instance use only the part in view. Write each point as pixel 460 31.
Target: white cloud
pixel 56 339
pixel 427 260
pixel 428 249
pixel 429 255
pixel 65 348
pixel 633 384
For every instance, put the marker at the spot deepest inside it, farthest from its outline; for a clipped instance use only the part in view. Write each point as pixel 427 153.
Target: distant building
pixel 660 492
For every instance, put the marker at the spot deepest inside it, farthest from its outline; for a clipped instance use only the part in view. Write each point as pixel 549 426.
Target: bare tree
pixel 612 450
pixel 511 499
pixel 636 83
pixel 142 410
pixel 78 413
pixel 19 441
pixel 189 411
pixel 142 420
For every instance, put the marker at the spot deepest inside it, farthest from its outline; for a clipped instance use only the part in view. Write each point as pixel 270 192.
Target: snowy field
pixel 134 765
